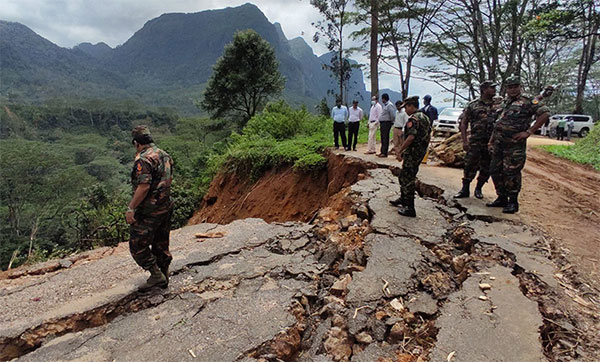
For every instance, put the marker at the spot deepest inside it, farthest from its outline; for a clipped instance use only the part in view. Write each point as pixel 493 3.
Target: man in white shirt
pixel 356 114
pixel 570 126
pixel 374 115
pixel 339 113
pixel 399 122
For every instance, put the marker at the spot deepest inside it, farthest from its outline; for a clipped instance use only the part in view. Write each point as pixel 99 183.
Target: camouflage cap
pixel 488 84
pixel 414 100
pixel 140 130
pixel 514 80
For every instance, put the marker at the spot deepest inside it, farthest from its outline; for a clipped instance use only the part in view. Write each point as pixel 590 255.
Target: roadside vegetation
pixel 279 136
pixel 586 151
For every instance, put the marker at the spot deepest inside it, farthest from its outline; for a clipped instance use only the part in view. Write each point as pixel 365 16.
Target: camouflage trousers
pixel 408 175
pixel 149 240
pixel 508 159
pixel 477 159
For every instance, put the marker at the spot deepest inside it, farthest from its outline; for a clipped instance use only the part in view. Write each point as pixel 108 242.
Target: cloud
pixel 70 22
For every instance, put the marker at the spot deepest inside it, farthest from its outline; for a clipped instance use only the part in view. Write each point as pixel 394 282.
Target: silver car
pixel 448 120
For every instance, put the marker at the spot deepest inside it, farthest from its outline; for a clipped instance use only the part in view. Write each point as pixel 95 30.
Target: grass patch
pixel 279 136
pixel 586 151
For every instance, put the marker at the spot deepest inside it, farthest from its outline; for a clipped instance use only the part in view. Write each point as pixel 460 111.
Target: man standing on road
pixel 509 143
pixel 429 110
pixel 356 114
pixel 374 115
pixel 480 115
pixel 399 122
pixel 150 209
pixel 570 126
pixel 417 133
pixel 388 115
pixel 339 113
pixel 560 129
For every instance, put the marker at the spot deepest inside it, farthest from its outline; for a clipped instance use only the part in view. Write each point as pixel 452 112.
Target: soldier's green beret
pixel 140 131
pixel 414 100
pixel 514 80
pixel 488 84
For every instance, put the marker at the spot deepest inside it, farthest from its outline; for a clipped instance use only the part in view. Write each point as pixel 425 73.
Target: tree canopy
pixel 244 78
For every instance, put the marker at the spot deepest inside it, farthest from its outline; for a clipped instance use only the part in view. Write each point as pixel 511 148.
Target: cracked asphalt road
pixel 268 291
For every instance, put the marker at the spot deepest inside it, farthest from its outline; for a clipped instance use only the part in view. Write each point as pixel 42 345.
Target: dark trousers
pixel 386 126
pixel 339 128
pixel 508 159
pixel 477 159
pixel 149 240
pixel 353 134
pixel 560 133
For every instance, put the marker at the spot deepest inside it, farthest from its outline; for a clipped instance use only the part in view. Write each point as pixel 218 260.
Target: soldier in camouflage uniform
pixel 150 209
pixel 481 115
pixel 417 132
pixel 509 142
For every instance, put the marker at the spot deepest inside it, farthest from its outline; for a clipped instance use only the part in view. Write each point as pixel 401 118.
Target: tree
pixel 479 39
pixel 244 78
pixel 38 182
pixel 336 16
pixel 373 56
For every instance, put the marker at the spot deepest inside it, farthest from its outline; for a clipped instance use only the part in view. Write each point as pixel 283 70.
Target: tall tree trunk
pixel 588 54
pixel 373 52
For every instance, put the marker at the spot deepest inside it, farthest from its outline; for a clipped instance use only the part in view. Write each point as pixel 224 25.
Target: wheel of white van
pixel 584 132
pixel 552 132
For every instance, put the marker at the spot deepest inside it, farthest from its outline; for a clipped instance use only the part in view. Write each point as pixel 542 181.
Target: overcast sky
pixel 70 22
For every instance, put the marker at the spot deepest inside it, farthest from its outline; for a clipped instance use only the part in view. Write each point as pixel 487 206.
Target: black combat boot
pixel 464 192
pixel 157 279
pixel 512 206
pixel 500 201
pixel 165 271
pixel 408 209
pixel 478 194
pixel 397 202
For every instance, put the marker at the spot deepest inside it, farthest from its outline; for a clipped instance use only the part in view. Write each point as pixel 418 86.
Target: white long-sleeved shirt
pixel 355 114
pixel 401 118
pixel 375 113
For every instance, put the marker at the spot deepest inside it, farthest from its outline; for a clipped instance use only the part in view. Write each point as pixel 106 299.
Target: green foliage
pixel 278 136
pixel 97 219
pixel 586 151
pixel 244 78
pixel 323 108
pixel 64 171
pixel 38 181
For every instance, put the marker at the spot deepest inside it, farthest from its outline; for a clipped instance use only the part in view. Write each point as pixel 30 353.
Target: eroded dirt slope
pixel 283 194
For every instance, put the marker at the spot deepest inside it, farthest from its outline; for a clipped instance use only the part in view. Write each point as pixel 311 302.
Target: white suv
pixel 448 120
pixel 583 124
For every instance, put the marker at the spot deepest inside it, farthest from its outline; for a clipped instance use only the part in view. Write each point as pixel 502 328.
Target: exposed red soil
pixel 563 198
pixel 282 194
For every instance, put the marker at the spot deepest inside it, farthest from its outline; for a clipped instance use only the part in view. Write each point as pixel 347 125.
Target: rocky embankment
pixel 458 283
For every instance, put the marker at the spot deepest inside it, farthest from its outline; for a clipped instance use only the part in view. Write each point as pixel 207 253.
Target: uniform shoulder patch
pixel 139 166
pixel 535 101
pixel 409 124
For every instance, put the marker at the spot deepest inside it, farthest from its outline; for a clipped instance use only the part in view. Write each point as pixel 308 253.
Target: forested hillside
pixel 65 173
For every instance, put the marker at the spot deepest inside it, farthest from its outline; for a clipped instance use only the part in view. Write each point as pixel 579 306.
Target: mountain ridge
pixel 166 62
